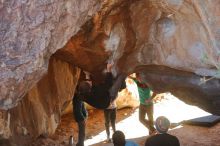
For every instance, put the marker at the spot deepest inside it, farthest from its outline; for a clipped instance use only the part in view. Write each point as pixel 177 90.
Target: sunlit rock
pixel 30 32
pixel 39 112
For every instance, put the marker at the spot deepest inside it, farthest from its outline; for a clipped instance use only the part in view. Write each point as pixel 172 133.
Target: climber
pixel 101 95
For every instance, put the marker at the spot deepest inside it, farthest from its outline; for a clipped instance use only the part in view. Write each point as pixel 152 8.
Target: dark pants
pixel 110 116
pixel 143 110
pixel 81 134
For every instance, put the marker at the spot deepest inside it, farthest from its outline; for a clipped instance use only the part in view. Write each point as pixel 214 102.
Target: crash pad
pixel 206 121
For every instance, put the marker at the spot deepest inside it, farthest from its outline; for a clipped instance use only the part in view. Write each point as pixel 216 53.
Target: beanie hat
pixel 162 124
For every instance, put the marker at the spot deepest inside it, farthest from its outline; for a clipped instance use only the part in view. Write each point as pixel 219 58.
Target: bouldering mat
pixel 206 121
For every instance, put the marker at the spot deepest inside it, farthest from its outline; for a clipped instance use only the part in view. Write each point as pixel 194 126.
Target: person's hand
pixel 148 100
pixel 109 67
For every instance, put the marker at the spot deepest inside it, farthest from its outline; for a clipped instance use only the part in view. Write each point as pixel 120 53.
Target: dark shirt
pixel 102 94
pixel 162 140
pixel 99 96
pixel 80 112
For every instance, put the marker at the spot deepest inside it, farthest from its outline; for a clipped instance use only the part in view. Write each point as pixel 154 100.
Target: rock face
pixel 173 43
pixel 170 35
pixel 166 34
pixel 186 86
pixel 5 124
pixel 30 32
pixel 40 110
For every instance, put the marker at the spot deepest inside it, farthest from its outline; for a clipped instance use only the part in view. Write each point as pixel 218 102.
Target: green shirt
pixel 144 92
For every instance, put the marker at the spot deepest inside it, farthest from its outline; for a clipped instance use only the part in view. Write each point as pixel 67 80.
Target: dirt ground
pixel 188 135
pixel 127 121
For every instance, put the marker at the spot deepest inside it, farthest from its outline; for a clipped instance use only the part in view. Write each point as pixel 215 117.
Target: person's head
pixel 162 124
pixel 138 76
pixel 109 67
pixel 118 138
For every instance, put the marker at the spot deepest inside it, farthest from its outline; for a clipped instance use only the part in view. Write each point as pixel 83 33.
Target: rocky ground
pixel 127 121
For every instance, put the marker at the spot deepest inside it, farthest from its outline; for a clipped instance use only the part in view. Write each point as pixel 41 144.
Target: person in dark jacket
pixel 98 96
pixel 163 138
pixel 101 95
pixel 79 110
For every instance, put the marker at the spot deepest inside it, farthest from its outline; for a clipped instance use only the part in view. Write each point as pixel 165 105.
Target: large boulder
pixel 30 32
pixel 39 112
pixel 176 38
